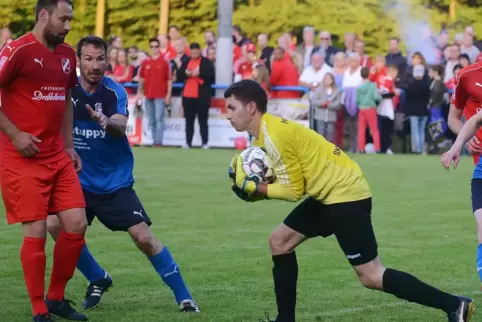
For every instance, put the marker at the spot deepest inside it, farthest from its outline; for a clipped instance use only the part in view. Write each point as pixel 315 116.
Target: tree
pixel 373 20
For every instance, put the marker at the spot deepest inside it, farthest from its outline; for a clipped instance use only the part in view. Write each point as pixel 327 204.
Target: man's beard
pixel 53 39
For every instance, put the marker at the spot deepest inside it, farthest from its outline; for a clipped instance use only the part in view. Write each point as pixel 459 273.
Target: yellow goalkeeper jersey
pixel 305 163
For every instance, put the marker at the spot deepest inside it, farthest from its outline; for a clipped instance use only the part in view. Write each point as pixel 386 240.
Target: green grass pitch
pixel 422 219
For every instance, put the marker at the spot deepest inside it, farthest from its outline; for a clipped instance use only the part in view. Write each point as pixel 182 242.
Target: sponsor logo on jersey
pixel 89 133
pixel 50 96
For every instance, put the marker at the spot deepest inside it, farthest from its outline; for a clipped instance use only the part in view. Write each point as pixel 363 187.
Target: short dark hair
pixel 154 39
pixel 95 41
pixel 365 72
pixel 194 45
pixel 173 26
pixel 248 91
pixel 396 39
pixel 48 5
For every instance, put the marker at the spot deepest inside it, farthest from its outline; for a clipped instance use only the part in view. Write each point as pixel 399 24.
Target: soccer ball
pixel 370 148
pixel 257 163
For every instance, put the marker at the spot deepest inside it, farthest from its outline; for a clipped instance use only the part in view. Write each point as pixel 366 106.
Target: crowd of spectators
pixel 411 93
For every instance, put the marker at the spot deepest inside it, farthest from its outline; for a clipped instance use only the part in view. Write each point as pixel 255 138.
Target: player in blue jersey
pixel 100 119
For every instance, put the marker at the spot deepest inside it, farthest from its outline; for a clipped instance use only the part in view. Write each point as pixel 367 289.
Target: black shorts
pixel 476 192
pixel 350 222
pixel 118 210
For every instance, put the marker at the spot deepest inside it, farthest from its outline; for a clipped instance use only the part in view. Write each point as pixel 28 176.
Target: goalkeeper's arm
pixel 278 191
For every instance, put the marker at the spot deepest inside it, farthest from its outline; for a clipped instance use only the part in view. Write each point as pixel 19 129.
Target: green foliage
pixel 136 20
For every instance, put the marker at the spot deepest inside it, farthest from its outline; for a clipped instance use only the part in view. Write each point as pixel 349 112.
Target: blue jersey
pixel 107 160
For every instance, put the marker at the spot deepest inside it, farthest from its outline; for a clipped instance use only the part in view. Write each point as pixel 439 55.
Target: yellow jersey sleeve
pixel 305 163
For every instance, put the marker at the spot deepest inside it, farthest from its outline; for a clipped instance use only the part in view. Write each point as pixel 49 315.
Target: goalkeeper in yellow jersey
pixel 339 202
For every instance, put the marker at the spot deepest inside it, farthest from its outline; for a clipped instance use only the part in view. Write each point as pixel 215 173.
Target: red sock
pixel 32 255
pixel 66 254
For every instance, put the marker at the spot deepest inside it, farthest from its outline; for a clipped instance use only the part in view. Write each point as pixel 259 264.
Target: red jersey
pixel 467 94
pixel 33 82
pixel 284 73
pixel 156 73
pixel 386 85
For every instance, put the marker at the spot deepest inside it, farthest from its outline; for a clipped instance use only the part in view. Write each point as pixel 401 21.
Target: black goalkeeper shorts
pixel 350 222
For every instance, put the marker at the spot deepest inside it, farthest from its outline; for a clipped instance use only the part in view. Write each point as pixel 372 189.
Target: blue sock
pixel 88 266
pixel 167 268
pixel 479 261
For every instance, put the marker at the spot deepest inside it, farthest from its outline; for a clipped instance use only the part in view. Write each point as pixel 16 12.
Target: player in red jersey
pixel 38 162
pixel 467 101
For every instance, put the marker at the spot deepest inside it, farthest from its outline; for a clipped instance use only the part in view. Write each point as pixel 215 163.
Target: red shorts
pixel 31 192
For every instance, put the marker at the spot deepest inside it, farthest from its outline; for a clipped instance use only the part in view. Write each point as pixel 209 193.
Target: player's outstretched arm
pixel 455 119
pixel 468 131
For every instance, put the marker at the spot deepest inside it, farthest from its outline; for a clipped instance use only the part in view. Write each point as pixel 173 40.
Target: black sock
pixel 410 288
pixel 285 276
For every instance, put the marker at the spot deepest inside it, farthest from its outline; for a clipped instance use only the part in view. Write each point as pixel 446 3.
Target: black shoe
pixel 188 306
pixel 43 318
pixel 63 309
pixel 95 290
pixel 464 312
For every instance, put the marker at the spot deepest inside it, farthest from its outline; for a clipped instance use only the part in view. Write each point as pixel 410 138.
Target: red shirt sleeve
pixel 460 96
pixel 9 58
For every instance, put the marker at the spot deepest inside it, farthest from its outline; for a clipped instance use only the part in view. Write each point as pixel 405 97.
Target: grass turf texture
pixel 422 219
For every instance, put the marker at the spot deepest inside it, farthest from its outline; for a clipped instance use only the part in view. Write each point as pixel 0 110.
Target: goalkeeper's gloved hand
pixel 236 174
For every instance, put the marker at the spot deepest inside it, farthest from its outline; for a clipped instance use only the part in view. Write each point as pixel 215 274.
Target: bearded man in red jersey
pixel 38 162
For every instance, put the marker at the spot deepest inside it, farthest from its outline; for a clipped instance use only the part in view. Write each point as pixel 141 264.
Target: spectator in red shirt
pixel 450 84
pixel 243 68
pixel 123 72
pixel 169 52
pixel 283 73
pixel 378 70
pixel 173 35
pixel 112 57
pixel 197 74
pixel 155 86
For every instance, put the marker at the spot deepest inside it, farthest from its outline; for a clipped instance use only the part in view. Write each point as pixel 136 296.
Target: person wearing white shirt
pixel 313 75
pixel 351 81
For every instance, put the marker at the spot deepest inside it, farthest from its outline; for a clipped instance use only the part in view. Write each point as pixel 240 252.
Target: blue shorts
pixel 118 210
